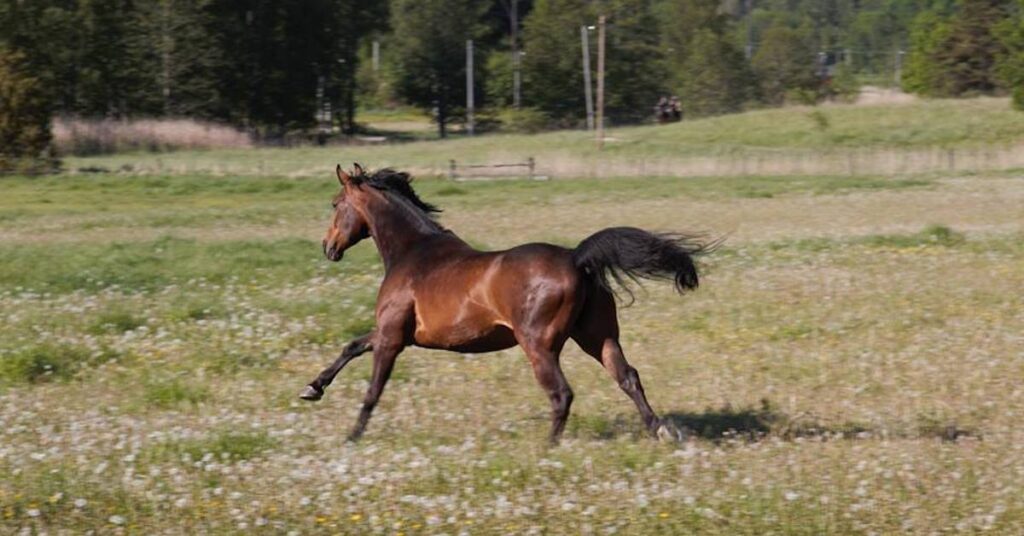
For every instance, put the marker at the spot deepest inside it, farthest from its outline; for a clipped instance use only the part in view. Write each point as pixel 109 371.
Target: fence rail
pixel 453 170
pixel 762 162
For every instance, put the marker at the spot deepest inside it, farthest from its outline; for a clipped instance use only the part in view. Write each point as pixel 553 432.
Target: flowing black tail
pixel 616 253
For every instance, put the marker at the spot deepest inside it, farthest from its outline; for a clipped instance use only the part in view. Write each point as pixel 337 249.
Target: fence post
pixel 451 169
pixel 530 164
pixel 951 159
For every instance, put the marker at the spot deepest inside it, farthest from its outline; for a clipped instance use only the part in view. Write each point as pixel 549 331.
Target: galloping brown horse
pixel 438 292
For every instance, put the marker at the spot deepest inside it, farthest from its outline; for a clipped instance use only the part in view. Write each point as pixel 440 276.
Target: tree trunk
pixel 350 106
pixel 442 116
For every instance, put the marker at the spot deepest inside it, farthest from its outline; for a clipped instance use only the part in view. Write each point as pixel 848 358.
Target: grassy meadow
pixel 852 362
pixel 984 133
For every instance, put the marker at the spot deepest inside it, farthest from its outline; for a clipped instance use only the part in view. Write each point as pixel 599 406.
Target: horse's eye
pixel 334 204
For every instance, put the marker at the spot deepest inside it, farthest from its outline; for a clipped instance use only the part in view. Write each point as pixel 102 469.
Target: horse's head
pixel 348 224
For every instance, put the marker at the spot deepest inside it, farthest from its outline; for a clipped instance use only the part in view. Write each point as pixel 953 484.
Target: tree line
pixel 274 67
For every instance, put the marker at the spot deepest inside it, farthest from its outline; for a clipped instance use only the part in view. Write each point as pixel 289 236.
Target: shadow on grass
pixel 758 423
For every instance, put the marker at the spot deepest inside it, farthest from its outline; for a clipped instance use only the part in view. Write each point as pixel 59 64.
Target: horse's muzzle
pixel 332 253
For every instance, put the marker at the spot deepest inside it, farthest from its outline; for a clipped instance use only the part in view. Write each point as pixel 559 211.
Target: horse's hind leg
pixel 548 371
pixel 315 390
pixel 597 333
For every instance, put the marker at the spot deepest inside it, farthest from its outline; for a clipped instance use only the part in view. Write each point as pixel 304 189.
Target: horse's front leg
pixel 357 347
pixel 384 355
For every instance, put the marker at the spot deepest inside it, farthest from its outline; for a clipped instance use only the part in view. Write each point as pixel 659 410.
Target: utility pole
pixel 469 87
pixel 748 50
pixel 165 57
pixel 516 78
pixel 600 81
pixel 376 55
pixel 898 74
pixel 587 92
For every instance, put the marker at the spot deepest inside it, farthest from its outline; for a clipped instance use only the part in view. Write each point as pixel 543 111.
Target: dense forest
pixel 276 67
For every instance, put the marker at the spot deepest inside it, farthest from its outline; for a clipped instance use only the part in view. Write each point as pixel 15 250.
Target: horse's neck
pixel 396 232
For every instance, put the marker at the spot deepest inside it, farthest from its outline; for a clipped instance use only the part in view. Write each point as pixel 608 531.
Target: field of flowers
pixel 852 363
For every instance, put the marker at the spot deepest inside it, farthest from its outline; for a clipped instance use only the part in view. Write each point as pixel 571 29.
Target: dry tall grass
pixel 103 136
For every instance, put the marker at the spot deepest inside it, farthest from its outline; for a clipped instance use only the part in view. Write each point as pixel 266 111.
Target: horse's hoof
pixel 669 433
pixel 311 394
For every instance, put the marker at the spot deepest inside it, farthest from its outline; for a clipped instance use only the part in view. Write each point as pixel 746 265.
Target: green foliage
pixel 957 54
pixel 429 43
pixel 524 120
pixel 553 64
pixel 1010 64
pixel 924 74
pixel 783 63
pixel 715 78
pixel 498 82
pixel 42 363
pixel 845 87
pixel 635 67
pixel 255 64
pixel 24 118
pixel 706 68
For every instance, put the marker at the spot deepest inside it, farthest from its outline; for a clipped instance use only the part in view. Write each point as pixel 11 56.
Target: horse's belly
pixel 469 339
pixel 478 332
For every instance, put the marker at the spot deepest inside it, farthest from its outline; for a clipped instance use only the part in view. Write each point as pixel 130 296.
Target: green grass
pixel 110 201
pixel 849 364
pixel 144 266
pixel 765 133
pixel 173 393
pixel 221 445
pixel 931 235
pixel 115 321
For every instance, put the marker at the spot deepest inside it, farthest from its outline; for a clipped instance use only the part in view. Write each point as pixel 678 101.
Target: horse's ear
pixel 358 170
pixel 344 178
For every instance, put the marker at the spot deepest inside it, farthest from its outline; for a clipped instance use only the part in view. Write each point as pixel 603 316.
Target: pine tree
pixel 179 55
pixel 708 71
pixel 25 111
pixel 110 82
pixel 1010 64
pixel 925 73
pixel 973 46
pixel 784 64
pixel 552 65
pixel 429 44
pixel 958 54
pixel 635 67
pixel 715 78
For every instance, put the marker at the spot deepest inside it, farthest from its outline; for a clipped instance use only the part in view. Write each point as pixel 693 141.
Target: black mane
pixel 398 183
